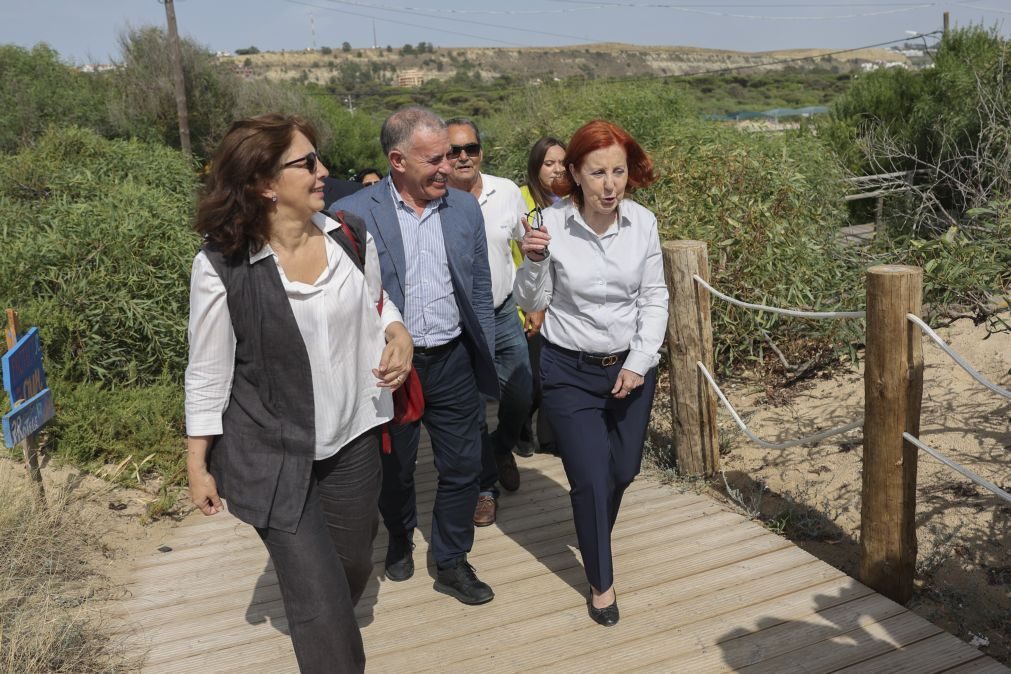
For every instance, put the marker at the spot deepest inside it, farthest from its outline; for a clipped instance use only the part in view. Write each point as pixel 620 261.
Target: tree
pixel 345 46
pixel 39 91
pixel 247 50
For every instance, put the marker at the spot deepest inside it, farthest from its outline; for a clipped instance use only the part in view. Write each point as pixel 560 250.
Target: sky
pixel 87 32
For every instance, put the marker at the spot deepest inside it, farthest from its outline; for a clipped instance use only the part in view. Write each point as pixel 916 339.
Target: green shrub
pixel 648 110
pixel 95 249
pixel 140 427
pixel 39 91
pixel 769 208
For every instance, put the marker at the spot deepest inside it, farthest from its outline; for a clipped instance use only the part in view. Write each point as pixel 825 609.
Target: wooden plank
pixel 938 653
pixel 701 589
pixel 221 594
pixel 984 665
pixel 693 630
pixel 202 617
pixel 639 615
pixel 843 646
pixel 653 624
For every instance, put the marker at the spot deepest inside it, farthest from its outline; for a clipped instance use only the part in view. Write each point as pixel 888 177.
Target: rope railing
pixel 817 437
pixel 958 468
pixel 776 310
pixel 999 390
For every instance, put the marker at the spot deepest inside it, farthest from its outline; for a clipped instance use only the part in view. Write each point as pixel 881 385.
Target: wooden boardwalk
pixel 701 589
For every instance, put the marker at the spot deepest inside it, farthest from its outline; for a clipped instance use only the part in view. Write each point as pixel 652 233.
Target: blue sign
pixel 24 377
pixel 27 418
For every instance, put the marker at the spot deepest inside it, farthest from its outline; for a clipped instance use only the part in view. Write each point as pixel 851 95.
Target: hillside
pixel 332 65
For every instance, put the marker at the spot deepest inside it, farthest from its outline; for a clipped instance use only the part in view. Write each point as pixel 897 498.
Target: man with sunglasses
pixel 504 213
pixel 434 261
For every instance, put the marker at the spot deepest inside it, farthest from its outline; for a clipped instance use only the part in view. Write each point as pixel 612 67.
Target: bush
pixel 95 249
pixel 769 208
pixel 140 427
pixel 39 91
pixel 648 110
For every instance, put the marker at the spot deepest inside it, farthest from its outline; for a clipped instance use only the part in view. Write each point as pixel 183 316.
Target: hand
pixel 627 382
pixel 533 322
pixel 395 362
pixel 204 491
pixel 535 243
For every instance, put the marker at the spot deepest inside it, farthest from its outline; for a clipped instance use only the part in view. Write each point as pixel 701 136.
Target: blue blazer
pixel 467 252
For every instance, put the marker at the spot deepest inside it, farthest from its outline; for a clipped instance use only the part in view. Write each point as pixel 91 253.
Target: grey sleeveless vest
pixel 262 461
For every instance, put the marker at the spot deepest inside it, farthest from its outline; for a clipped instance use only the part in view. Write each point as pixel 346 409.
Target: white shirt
pixel 504 212
pixel 603 294
pixel 343 334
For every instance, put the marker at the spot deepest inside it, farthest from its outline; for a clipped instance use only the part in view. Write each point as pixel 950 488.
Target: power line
pixel 707 9
pixel 400 10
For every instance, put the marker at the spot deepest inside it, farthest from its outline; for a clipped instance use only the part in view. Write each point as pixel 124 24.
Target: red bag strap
pixel 339 216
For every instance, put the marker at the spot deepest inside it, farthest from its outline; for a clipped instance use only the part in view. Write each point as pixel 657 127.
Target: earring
pixel 273 198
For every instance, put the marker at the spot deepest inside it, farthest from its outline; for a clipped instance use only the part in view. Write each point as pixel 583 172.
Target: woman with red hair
pixel 593 262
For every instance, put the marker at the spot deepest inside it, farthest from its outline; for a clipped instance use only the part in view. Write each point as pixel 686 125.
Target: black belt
pixel 435 350
pixel 499 307
pixel 601 359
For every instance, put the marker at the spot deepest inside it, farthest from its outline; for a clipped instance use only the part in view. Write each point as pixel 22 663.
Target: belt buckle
pixel 608 361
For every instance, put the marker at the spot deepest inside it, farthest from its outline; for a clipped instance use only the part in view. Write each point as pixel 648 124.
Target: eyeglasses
pixel 535 217
pixel 311 161
pixel 472 150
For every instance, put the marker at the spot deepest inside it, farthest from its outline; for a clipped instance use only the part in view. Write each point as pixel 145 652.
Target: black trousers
pixel 323 567
pixel 452 418
pixel 600 439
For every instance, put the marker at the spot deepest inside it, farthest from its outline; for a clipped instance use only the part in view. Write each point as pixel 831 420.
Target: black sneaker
pixel 461 582
pixel 399 558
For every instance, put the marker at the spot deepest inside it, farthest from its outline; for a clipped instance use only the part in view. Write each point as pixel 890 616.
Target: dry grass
pixel 48 619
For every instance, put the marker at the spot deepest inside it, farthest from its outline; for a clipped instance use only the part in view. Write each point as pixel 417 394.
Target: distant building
pixel 96 67
pixel 410 78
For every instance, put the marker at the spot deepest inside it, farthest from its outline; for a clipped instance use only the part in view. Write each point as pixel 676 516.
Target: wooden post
pixel 893 387
pixel 178 79
pixel 689 341
pixel 29 448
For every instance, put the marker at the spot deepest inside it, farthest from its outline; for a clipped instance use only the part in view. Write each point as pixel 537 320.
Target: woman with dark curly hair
pixel 601 283
pixel 290 375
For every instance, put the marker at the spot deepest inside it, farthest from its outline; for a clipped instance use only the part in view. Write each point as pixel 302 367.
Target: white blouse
pixel 342 331
pixel 603 294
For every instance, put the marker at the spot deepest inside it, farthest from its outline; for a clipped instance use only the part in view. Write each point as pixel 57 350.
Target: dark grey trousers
pixel 323 567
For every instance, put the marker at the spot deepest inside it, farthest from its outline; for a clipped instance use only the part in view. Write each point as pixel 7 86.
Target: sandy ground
pixel 811 494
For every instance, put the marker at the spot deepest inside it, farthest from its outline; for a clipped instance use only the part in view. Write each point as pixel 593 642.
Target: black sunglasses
pixel 311 160
pixel 472 150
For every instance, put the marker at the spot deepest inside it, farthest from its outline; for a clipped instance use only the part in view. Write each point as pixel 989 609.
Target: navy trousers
pixel 452 418
pixel 324 566
pixel 600 439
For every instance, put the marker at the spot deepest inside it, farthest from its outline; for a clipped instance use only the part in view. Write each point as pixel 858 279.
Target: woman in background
pixel 544 164
pixel 289 378
pixel 603 288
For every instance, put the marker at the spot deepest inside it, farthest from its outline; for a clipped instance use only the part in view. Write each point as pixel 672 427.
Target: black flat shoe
pixel 607 616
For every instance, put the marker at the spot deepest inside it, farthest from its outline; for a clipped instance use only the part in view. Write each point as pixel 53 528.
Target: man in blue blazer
pixel 434 260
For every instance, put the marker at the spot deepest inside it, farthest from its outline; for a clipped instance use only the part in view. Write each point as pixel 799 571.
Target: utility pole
pixel 375 42
pixel 312 29
pixel 177 73
pixel 945 23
